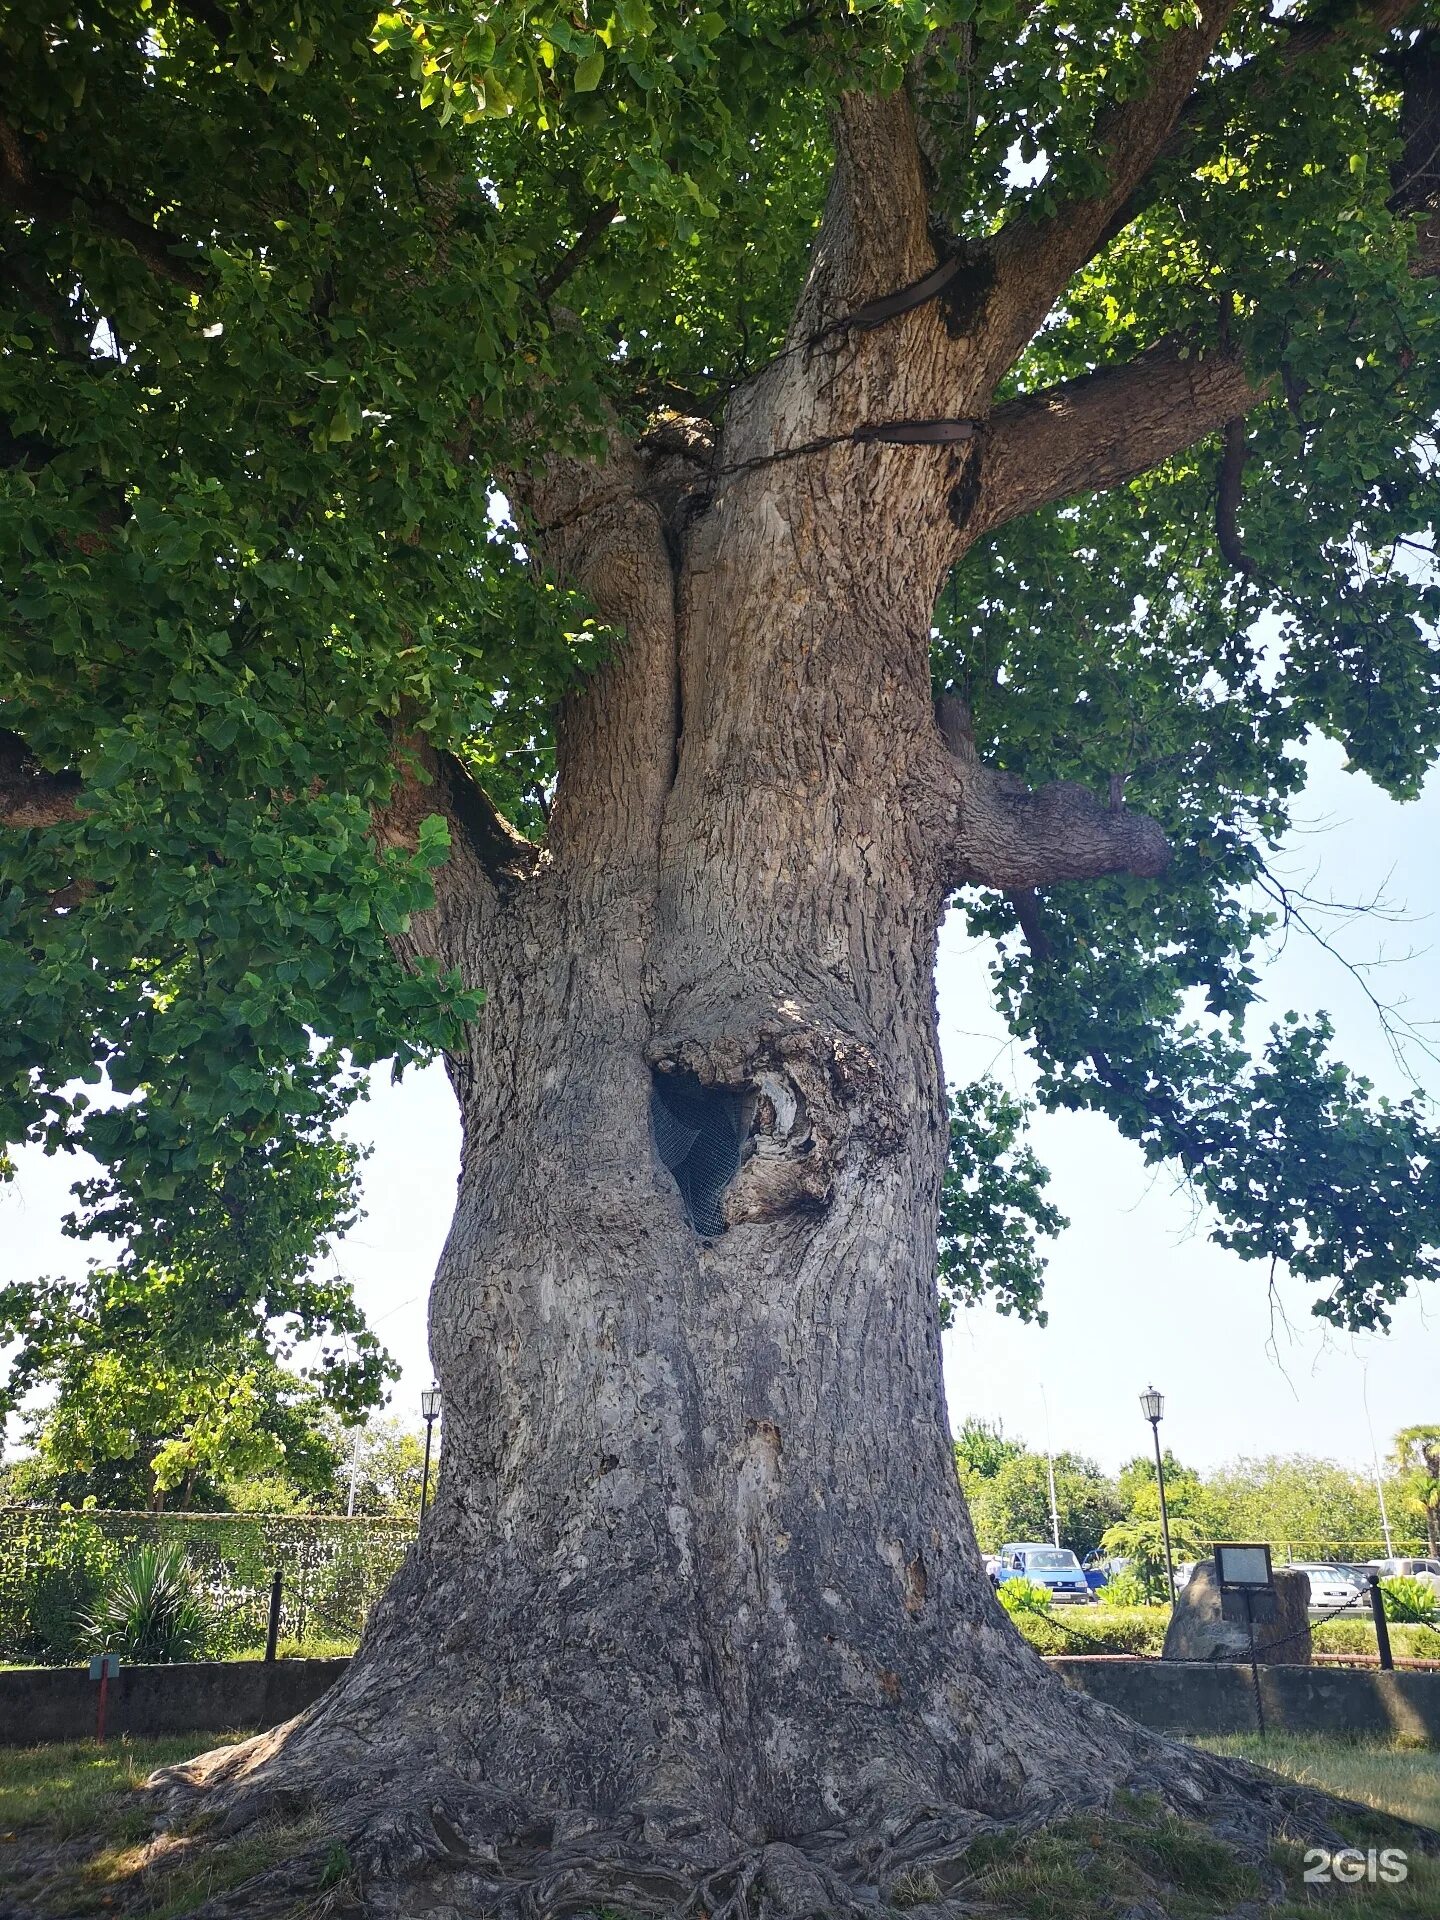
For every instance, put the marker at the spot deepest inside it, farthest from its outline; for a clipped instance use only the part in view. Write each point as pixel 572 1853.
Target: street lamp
pixel 430 1409
pixel 1152 1405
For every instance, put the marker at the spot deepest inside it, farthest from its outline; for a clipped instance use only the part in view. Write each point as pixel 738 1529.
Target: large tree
pixel 626 514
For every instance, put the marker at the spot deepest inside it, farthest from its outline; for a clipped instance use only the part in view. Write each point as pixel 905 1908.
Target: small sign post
pixel 1247 1592
pixel 104 1667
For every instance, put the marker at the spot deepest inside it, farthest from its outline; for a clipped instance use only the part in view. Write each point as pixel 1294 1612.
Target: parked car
pixel 1046 1566
pixel 1331 1585
pixel 1426 1570
pixel 1101 1569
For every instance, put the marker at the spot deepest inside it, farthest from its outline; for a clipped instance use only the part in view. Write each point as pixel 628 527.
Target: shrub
pixel 1409 1599
pixel 1124 1590
pixel 1024 1596
pixel 151 1611
pixel 60 1598
pixel 1095 1630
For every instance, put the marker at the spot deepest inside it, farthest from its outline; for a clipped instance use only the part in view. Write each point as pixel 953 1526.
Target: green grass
pixel 63 1791
pixel 1386 1775
pixel 1104 1863
pixel 1138 1857
pixel 77 1839
pixel 314 1647
pixel 1390 1777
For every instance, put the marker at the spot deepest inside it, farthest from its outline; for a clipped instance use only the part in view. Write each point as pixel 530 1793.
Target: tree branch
pixel 31 798
pixel 1005 834
pixel 604 525
pixel 1227 498
pixel 874 237
pixel 1304 40
pixel 580 250
pixel 1416 176
pixel 1104 428
pixel 488 860
pixel 37 196
pixel 1036 253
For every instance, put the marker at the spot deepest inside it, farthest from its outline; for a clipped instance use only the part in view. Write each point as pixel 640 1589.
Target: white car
pixel 1331 1587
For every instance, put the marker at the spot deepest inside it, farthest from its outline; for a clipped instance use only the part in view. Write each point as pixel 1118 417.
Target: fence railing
pixel 56 1563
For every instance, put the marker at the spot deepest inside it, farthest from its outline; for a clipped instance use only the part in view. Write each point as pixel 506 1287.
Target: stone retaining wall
pixel 1190 1697
pixel 1181 1697
pixel 211 1696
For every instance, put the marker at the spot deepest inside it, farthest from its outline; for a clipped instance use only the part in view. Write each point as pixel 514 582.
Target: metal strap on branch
pixel 874 313
pixel 892 433
pixel 919 433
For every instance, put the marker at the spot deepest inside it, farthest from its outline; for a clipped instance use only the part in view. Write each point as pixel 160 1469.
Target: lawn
pixel 76 1840
pixel 1380 1774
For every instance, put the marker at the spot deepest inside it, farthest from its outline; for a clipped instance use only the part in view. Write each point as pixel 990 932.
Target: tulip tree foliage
pixel 475 487
pixel 281 298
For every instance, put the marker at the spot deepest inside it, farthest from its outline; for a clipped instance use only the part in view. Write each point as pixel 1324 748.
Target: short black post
pixel 1254 1666
pixel 1382 1625
pixel 272 1631
pixel 425 1472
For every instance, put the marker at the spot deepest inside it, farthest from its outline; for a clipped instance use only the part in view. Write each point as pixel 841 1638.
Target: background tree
pixel 387 1461
pixel 1140 1539
pixel 1417 1455
pixel 1320 1509
pixel 981 1448
pixel 1014 1502
pixel 130 1426
pixel 906 515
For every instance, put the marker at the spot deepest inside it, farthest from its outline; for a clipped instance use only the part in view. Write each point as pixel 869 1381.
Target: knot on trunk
pixel 756 1127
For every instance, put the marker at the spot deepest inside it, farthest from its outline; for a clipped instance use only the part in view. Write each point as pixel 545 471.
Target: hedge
pixel 55 1563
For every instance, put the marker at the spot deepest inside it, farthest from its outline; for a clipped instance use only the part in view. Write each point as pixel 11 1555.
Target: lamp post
pixel 430 1408
pixel 1152 1405
pixel 1050 1468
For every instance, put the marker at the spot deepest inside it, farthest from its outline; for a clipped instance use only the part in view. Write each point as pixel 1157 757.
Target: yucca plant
pixel 151 1611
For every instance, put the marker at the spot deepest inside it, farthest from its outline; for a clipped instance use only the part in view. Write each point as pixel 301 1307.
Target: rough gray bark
pixel 698 1612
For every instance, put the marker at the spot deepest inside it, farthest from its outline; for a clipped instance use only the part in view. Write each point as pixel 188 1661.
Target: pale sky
pixel 1135 1291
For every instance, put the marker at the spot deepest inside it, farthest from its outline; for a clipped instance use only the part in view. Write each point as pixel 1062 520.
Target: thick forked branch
pixel 1005 834
pixel 875 236
pixel 1104 428
pixel 1364 23
pixel 29 796
pixel 602 525
pixel 1036 253
pixel 1416 177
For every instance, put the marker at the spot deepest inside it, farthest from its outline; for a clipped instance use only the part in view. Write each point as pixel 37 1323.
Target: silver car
pixel 1426 1570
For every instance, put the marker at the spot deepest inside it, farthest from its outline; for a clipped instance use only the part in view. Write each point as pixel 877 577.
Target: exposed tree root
pixel 437 1846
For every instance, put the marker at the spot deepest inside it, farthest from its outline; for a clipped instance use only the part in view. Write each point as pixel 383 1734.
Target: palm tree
pixel 1417 1455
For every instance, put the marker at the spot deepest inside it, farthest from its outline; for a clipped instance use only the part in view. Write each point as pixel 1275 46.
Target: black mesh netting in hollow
pixel 698 1133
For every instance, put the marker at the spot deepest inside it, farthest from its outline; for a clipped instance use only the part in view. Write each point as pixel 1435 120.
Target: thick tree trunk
pixel 698 1603
pixel 698 1609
